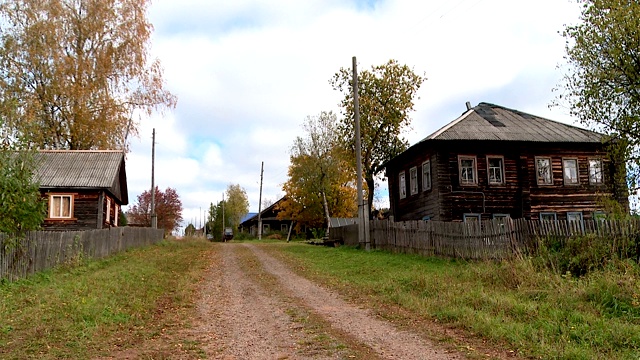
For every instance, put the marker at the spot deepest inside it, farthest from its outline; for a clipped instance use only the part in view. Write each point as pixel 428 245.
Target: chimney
pixel 468 105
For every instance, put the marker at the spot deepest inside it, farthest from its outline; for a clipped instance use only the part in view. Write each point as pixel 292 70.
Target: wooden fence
pixel 42 250
pixel 489 239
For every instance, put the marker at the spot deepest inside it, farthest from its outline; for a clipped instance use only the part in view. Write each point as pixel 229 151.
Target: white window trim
pixel 116 215
pixel 592 181
pixel 564 175
pixel 569 213
pixel 402 186
pixel 413 180
pixel 284 227
pixel 474 171
pixel 502 180
pixel 265 228
pixel 550 170
pixel 108 211
pixel 61 196
pixel 426 180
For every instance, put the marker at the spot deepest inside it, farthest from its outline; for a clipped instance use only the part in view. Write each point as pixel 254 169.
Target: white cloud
pixel 248 72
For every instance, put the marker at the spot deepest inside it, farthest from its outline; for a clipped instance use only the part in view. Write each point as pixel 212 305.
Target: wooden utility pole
pixel 223 238
pixel 260 204
pixel 154 217
pixel 363 209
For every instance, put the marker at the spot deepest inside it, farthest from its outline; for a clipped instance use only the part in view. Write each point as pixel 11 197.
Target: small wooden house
pixel 270 221
pixel 495 162
pixel 84 190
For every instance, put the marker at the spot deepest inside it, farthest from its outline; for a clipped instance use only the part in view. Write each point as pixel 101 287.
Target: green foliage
pixel 87 311
pixel 580 255
pixel 386 98
pixel 21 205
pixel 602 79
pixel 236 205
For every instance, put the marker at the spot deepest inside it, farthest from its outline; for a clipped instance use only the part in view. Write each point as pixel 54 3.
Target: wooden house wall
pixel 85 211
pixel 425 202
pixel 519 196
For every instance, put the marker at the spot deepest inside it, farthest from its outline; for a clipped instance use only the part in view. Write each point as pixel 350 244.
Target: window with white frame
pixel 413 180
pixel 284 227
pixel 402 185
pixel 265 228
pixel 116 215
pixel 467 167
pixel 595 171
pixel 495 169
pixel 60 206
pixel 426 175
pixel 548 216
pixel 543 171
pixel 570 171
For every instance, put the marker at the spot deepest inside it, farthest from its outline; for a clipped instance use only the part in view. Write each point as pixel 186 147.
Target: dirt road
pixel 252 306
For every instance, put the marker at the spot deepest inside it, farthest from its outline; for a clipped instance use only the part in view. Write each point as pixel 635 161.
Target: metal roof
pixel 492 122
pixel 84 169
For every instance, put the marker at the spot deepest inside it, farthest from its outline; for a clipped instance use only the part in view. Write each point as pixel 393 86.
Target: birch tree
pixel 74 72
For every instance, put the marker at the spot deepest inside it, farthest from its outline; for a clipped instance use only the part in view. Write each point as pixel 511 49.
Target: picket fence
pixel 490 239
pixel 42 250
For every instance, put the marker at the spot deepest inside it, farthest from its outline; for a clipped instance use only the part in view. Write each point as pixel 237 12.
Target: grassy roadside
pixel 94 307
pixel 535 313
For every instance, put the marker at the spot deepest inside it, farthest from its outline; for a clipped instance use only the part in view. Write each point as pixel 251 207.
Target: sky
pixel 248 72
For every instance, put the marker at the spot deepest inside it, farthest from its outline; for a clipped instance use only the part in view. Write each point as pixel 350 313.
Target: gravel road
pixel 252 306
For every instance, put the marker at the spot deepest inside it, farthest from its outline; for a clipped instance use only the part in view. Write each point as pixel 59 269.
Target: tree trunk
pixel 370 190
pixel 326 212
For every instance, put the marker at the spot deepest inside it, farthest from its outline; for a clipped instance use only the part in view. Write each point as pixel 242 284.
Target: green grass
pixel 534 312
pixel 82 311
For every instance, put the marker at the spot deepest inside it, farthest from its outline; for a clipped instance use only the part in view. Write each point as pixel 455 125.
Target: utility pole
pixel 154 218
pixel 260 204
pixel 363 209
pixel 225 240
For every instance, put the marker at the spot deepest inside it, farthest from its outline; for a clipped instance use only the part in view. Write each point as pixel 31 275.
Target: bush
pixel 580 255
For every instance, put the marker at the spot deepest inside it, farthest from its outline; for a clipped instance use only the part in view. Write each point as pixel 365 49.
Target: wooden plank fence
pixel 490 239
pixel 42 250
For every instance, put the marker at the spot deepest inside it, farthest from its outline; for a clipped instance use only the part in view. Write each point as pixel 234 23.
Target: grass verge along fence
pixel 41 250
pixel 490 239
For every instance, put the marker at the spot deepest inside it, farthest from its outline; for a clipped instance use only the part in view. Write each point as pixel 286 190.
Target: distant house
pixel 84 189
pixel 495 162
pixel 270 221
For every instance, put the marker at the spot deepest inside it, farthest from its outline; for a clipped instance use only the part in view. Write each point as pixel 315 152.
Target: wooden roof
pixel 83 169
pixel 492 122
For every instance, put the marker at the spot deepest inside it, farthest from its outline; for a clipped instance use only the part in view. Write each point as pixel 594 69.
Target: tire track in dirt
pixel 387 341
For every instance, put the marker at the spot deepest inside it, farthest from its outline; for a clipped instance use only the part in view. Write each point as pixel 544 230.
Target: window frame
pixel 547 213
pixel 108 210
pixel 474 172
pixel 573 213
pixel 402 186
pixel 61 196
pixel 284 227
pixel 413 180
pixel 567 181
pixel 537 169
pixel 502 180
pixel 593 181
pixel 265 228
pixel 476 216
pixel 426 175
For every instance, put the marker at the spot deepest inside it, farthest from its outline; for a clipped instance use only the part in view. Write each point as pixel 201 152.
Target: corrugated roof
pixel 493 122
pixel 78 169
